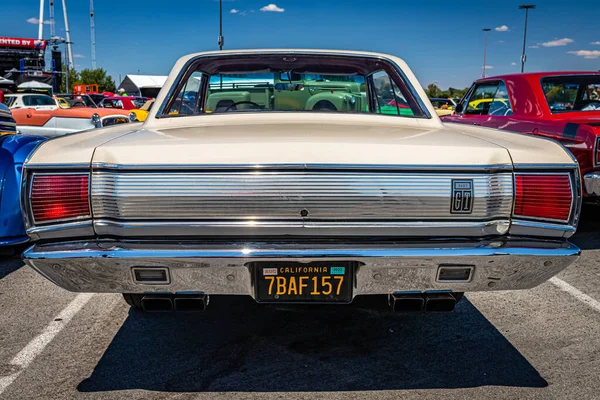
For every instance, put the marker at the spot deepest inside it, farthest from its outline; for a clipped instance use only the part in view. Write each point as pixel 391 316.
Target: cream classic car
pixel 233 187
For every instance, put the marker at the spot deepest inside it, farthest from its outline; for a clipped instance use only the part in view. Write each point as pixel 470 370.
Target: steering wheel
pixel 255 106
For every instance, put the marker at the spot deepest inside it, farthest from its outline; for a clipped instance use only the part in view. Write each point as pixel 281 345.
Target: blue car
pixel 14 149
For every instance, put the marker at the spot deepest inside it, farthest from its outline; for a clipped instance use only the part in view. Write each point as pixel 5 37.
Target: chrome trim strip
pixel 81 166
pixel 596 150
pixel 186 67
pixel 105 227
pixel 62 230
pixel 359 167
pixel 519 167
pixel 533 228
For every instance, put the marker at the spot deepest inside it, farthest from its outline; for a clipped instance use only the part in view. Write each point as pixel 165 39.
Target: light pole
pixel 221 38
pixel 525 7
pixel 486 30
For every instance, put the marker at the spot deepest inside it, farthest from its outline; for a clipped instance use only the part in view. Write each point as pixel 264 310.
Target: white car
pixel 321 177
pixel 31 100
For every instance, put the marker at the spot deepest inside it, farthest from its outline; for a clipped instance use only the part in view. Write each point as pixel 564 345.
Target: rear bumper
pixel 592 184
pixel 383 267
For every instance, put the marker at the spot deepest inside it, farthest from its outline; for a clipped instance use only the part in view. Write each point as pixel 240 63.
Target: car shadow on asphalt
pixel 9 265
pixel 587 236
pixel 236 346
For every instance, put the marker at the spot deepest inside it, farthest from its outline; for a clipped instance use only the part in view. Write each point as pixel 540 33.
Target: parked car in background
pixel 443 106
pixel 31 100
pixel 292 204
pixel 79 100
pixel 50 123
pixel 123 102
pixel 62 102
pixel 563 106
pixel 142 113
pixel 14 149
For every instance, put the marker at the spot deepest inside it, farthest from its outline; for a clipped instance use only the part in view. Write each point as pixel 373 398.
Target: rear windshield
pixel 111 103
pixel 34 100
pixel 317 84
pixel 572 93
pixel 138 102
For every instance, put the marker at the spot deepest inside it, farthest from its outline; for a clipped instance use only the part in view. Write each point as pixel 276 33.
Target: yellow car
pixel 480 104
pixel 443 106
pixel 142 113
pixel 62 102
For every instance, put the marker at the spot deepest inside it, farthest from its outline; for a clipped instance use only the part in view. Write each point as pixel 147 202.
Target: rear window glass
pixel 138 102
pixel 572 93
pixel 38 101
pixel 298 83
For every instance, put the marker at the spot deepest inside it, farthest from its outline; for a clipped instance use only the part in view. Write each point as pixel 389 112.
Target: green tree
pixel 433 90
pixel 98 76
pixel 73 79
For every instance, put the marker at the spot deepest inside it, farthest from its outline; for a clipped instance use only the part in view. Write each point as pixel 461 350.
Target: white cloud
pixel 78 56
pixel 489 67
pixel 513 63
pixel 558 42
pixel 272 8
pixel 501 28
pixel 534 47
pixel 500 41
pixel 589 54
pixel 36 21
pixel 598 42
pixel 234 11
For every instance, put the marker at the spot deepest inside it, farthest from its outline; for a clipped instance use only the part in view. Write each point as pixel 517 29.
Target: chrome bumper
pixel 592 183
pixel 384 267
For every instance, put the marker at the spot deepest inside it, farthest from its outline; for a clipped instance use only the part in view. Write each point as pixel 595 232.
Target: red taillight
pixel 59 197
pixel 543 196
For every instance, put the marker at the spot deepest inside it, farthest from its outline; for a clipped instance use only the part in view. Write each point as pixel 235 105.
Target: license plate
pixel 286 282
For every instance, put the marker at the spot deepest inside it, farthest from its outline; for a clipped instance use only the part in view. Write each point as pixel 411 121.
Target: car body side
pixel 577 131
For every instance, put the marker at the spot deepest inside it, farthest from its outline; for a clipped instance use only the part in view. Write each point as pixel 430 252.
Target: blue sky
pixel 442 41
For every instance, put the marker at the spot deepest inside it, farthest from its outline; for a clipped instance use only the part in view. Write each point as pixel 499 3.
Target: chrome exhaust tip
pixel 190 303
pixel 157 303
pixel 409 302
pixel 440 302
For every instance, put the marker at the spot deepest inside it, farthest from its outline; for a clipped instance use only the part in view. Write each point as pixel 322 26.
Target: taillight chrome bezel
pixel 597 152
pixel 30 217
pixel 574 198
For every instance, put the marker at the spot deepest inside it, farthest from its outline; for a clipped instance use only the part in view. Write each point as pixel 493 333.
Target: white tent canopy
pixel 4 81
pixel 143 85
pixel 34 85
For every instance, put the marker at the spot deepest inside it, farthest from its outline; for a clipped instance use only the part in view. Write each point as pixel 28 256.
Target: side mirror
pixel 459 108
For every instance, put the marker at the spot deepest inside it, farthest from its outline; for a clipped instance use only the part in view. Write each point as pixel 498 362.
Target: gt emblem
pixel 462 196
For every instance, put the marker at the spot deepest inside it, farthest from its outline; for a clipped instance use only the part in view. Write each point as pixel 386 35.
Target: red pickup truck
pixel 564 106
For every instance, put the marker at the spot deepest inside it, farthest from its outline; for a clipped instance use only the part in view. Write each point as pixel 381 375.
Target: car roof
pixel 538 75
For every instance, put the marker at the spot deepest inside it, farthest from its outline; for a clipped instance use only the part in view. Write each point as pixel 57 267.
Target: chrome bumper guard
pixel 592 183
pixel 384 267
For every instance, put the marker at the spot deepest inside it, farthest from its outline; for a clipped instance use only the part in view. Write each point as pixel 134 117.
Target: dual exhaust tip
pixel 174 302
pixel 399 302
pixel 418 302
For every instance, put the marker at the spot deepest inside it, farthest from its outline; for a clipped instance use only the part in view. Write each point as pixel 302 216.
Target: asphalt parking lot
pixel 541 343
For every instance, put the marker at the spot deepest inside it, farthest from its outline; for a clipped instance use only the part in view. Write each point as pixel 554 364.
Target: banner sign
pixel 22 43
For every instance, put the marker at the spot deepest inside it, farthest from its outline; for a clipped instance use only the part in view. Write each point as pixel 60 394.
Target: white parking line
pixel 578 294
pixel 37 345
